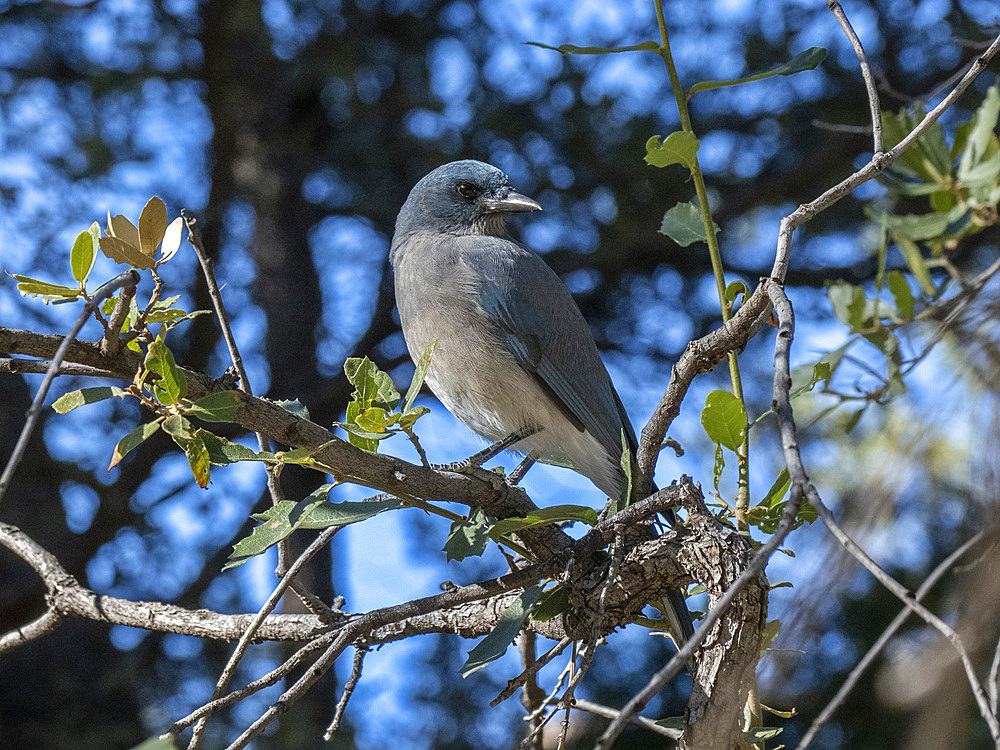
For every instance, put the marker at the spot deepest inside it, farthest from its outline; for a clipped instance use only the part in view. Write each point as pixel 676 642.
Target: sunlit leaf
pixel 724 419
pixel 74 399
pixel 157 743
pixel 677 148
pixel 372 386
pixel 171 240
pixel 416 383
pixel 82 256
pixel 552 514
pixel 121 228
pixel 172 383
pixel 778 489
pixel 198 459
pixel 152 225
pixel 34 287
pixel 494 645
pixel 121 252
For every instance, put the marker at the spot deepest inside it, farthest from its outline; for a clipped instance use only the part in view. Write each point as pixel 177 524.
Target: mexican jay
pixel 514 354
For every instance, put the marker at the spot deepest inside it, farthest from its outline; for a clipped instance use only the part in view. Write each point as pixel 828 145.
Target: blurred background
pixel 293 130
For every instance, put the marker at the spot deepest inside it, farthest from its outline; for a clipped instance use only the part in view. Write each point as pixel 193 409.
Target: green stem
pixel 743 487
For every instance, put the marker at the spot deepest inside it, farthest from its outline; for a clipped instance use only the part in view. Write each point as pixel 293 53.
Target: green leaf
pixel 888 344
pixel 179 428
pixel 375 419
pixel 313 512
pixel 152 225
pixel 355 435
pixel 467 537
pixel 542 516
pixel 720 464
pixel 215 407
pixel 770 632
pixel 980 139
pixel 417 382
pixel 73 399
pixel 805 378
pixel 295 407
pixel 82 256
pixel 494 645
pixel 34 287
pixel 121 252
pixel 724 419
pixel 684 224
pixel 849 304
pixel 223 452
pixel 677 148
pixel 553 602
pixel 821 371
pixel 917 263
pixel 902 294
pixel 571 49
pixel 131 441
pixel 806 60
pixel 759 734
pixel 371 385
pixel 781 585
pixel 778 489
pixel 734 289
pixel 172 383
pixel 776 712
pixel 198 459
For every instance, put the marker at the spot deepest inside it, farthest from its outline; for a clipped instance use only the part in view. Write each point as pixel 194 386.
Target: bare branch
pixel 38 366
pixel 875 166
pixel 883 639
pixel 129 278
pixel 609 713
pixel 352 682
pixel 866 73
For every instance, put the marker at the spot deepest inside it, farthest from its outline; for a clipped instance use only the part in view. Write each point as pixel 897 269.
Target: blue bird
pixel 515 359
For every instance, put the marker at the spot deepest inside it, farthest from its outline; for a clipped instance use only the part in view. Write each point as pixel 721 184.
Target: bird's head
pixel 462 197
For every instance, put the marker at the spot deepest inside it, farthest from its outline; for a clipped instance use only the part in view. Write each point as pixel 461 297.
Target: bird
pixel 514 358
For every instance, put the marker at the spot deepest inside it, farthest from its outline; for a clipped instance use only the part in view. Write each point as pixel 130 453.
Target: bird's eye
pixel 467 190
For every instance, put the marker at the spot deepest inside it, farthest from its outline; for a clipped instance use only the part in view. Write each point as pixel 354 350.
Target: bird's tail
pixel 678 617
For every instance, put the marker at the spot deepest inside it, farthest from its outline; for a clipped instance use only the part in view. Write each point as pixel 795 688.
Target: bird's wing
pixel 545 331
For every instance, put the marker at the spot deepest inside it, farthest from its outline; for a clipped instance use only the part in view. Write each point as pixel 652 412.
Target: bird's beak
pixel 510 203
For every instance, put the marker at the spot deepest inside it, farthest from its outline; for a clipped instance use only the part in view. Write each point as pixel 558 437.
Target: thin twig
pixel 352 682
pixel 780 403
pixel 514 684
pixel 995 678
pixel 801 484
pixel 272 601
pixel 257 685
pixel 875 166
pixel 866 73
pixel 129 278
pixel 883 639
pixel 531 694
pixel 609 713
